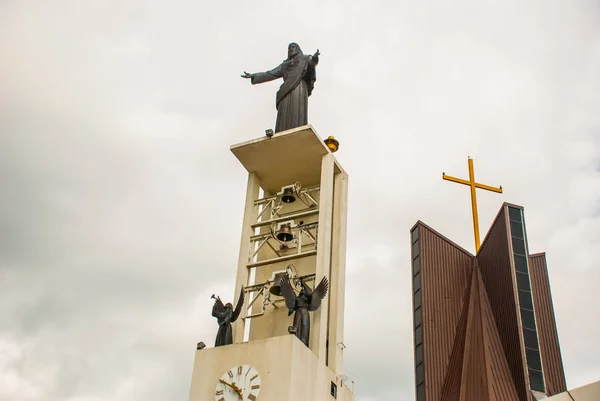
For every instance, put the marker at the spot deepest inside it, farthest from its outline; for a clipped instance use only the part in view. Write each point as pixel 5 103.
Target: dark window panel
pixel 514 214
pixel 530 337
pixel 521 263
pixel 421 392
pixel 419 354
pixel 523 282
pixel 525 300
pixel 418 335
pixel 516 229
pixel 419 375
pixel 415 250
pixel 418 317
pixel 416 265
pixel 418 299
pixel 518 246
pixel 417 282
pixel 528 319
pixel 536 381
pixel 415 235
pixel 533 359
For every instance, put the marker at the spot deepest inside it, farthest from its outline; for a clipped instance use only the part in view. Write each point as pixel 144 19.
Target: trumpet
pixel 216 298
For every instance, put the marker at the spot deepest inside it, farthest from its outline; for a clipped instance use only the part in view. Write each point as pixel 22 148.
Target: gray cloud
pixel 121 204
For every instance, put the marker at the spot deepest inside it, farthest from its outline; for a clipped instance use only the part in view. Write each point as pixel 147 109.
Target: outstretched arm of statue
pixel 260 77
pixel 315 57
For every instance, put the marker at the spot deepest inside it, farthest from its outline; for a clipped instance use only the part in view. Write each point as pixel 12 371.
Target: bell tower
pixel 294 228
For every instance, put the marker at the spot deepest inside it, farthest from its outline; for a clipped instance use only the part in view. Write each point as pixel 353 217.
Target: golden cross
pixel 471 183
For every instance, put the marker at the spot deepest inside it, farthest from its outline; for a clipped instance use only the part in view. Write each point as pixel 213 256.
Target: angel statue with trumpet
pixel 226 315
pixel 306 301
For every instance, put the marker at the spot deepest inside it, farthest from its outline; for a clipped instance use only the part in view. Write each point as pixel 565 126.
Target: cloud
pixel 121 204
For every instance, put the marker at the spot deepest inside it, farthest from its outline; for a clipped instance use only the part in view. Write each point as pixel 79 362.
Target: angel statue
pixel 226 315
pixel 306 301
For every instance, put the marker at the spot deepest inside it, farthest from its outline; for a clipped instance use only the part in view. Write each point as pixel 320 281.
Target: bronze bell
pixel 288 196
pixel 285 233
pixel 276 287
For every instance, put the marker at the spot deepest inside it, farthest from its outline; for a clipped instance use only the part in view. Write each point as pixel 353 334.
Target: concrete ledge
pixel 288 370
pixel 293 153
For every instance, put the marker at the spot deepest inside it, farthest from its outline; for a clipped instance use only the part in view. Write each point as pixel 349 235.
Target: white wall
pixel 589 392
pixel 288 370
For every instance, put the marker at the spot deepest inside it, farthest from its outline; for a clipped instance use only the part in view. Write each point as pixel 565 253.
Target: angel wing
pixel 238 307
pixel 287 292
pixel 218 309
pixel 318 294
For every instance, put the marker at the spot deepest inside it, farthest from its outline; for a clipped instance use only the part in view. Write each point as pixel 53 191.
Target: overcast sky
pixel 121 204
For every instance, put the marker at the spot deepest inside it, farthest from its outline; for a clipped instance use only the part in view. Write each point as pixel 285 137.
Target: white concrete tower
pixel 294 224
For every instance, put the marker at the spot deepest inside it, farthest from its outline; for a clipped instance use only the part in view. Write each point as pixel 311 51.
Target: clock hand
pixel 234 387
pixel 238 390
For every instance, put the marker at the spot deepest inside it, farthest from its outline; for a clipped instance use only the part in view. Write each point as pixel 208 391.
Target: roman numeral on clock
pixel 251 397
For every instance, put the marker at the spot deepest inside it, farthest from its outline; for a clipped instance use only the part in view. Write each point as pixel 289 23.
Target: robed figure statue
pixel 306 301
pixel 226 315
pixel 299 76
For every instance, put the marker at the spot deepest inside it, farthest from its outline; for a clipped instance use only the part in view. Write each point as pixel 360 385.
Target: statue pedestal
pixel 288 156
pixel 288 371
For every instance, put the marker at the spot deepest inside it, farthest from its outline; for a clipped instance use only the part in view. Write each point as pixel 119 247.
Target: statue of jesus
pixel 298 73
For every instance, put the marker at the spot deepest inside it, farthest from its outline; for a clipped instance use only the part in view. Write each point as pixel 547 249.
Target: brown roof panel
pixel 445 274
pixel 474 375
pixel 501 386
pixel 419 223
pixel 495 261
pixel 546 323
pixel 452 381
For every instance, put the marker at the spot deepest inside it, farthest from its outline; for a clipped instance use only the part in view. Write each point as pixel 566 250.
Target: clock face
pixel 240 383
